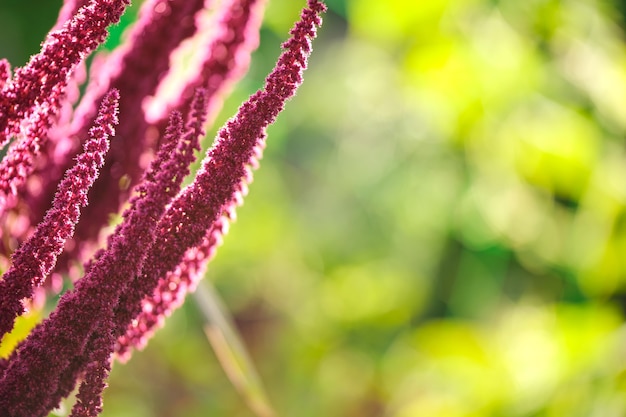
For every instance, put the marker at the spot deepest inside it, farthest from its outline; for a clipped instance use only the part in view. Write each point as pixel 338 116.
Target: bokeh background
pixel 438 227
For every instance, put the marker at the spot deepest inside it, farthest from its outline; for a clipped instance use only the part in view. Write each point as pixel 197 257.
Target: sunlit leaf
pixel 23 325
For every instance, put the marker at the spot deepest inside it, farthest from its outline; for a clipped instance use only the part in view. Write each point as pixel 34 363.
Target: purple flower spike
pixel 135 69
pixel 127 308
pixel 18 163
pixel 102 340
pixel 39 80
pixel 35 95
pixel 34 260
pixel 70 339
pixel 173 288
pixel 89 397
pixel 167 235
pixel 196 214
pixel 232 39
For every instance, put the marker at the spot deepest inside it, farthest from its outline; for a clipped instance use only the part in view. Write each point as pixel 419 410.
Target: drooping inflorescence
pixel 160 249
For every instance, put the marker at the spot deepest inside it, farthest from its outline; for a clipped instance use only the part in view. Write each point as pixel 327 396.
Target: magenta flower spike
pixel 159 251
pixel 39 81
pixel 217 188
pixel 135 69
pixel 225 59
pixel 90 394
pixel 89 397
pixel 17 165
pixel 27 387
pixel 96 361
pixel 34 260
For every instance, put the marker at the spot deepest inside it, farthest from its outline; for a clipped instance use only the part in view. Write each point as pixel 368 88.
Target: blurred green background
pixel 438 227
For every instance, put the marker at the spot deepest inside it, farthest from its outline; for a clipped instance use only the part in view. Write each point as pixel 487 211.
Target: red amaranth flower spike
pixel 61 52
pixel 173 288
pixel 40 374
pixel 89 396
pixel 227 58
pixel 89 401
pixel 174 129
pixel 135 69
pixel 167 235
pixel 96 359
pixel 194 129
pixel 34 260
pixel 218 185
pixel 232 37
pixel 18 163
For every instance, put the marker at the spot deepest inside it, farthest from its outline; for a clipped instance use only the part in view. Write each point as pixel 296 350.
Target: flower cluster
pixel 167 233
